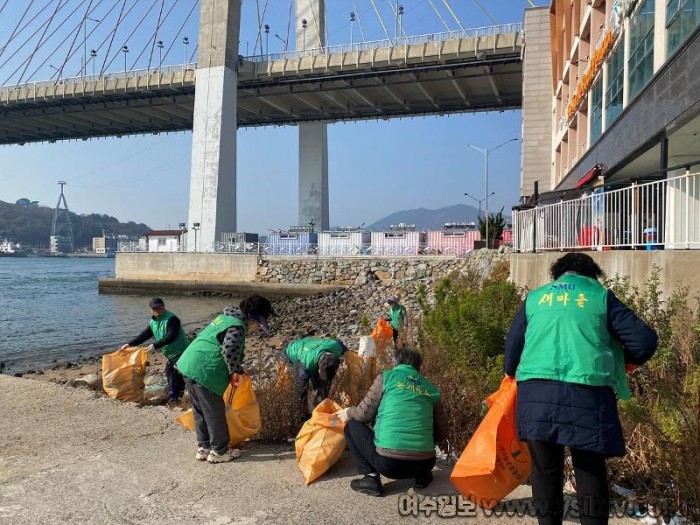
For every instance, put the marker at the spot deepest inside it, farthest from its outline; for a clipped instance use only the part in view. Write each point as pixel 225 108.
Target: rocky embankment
pixel 347 313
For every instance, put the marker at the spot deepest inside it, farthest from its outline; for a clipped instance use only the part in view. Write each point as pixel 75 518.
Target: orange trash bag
pixel 242 412
pixel 354 379
pixel 123 372
pixel 321 441
pixel 494 462
pixel 382 334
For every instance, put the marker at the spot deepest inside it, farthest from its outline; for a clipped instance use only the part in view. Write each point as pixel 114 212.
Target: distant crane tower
pixel 61 240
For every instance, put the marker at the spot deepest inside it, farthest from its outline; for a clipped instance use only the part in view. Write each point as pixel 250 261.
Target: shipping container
pixel 453 239
pixel 342 242
pixel 398 241
pixel 292 242
pixel 238 242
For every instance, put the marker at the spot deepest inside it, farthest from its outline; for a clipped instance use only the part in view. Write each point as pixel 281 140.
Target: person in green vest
pixel 165 327
pixel 212 362
pixel 317 360
pixel 569 348
pixel 408 418
pixel 397 317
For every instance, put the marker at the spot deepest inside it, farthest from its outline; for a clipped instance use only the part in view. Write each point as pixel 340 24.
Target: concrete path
pixel 70 456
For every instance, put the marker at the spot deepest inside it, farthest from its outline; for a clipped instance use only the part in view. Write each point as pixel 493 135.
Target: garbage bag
pixel 367 346
pixel 354 379
pixel 242 412
pixel 382 334
pixel 494 462
pixel 321 441
pixel 123 372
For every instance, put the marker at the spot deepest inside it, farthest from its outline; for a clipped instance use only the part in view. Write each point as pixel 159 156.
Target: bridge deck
pixel 474 73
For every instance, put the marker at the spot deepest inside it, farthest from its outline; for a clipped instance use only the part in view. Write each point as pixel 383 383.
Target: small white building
pixel 343 242
pixel 165 240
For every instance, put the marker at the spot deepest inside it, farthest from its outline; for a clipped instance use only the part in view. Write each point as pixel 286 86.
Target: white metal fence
pixel 653 215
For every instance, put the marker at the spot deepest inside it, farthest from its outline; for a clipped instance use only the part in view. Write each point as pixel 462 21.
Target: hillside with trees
pixel 31 226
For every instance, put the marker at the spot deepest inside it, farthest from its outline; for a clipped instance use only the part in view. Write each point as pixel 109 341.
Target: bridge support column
pixel 213 178
pixel 313 138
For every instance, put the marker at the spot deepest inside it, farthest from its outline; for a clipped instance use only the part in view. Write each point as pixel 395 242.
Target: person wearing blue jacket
pixel 569 348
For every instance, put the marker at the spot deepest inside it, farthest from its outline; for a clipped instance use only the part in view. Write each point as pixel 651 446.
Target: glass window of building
pixel 641 59
pixel 616 70
pixel 597 111
pixel 681 18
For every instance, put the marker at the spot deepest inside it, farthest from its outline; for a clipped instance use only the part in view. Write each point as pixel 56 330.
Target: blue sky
pixel 375 167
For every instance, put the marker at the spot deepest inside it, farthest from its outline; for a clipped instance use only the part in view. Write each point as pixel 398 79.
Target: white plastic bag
pixel 367 346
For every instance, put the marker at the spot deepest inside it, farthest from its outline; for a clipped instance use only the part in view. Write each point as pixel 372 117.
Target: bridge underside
pixel 279 92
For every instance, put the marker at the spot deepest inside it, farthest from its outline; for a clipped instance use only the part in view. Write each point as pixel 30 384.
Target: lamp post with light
pixel 195 227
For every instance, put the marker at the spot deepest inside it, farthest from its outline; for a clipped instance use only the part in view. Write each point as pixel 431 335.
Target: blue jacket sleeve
pixel 638 339
pixel 515 341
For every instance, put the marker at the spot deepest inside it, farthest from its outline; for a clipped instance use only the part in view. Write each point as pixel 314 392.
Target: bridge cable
pixel 82 25
pixel 437 12
pixel 26 60
pixel 2 8
pixel 483 9
pixel 395 12
pixel 261 19
pixel 181 28
pixel 143 19
pixel 160 23
pixel 155 34
pixel 289 26
pixel 119 22
pixel 29 39
pixel 316 25
pixel 114 33
pixel 194 53
pixel 63 42
pixel 449 8
pixel 359 20
pixel 14 31
pixel 381 21
pixel 41 40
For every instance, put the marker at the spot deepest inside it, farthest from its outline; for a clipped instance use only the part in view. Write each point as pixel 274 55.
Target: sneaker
pixel 229 455
pixel 369 485
pixel 173 403
pixel 423 481
pixel 202 454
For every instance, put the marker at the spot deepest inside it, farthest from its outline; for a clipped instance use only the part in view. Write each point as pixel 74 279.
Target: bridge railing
pixel 391 42
pixel 104 77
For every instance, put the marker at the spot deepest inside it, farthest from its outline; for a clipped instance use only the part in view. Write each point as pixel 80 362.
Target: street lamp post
pixel 186 43
pixel 485 153
pixel 125 50
pixel 93 57
pixel 303 40
pixel 160 53
pixel 267 38
pixel 479 201
pixel 85 42
pixel 195 227
pixel 283 41
pixel 353 17
pixel 399 20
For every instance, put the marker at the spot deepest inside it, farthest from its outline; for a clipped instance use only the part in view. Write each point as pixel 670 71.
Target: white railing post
pixel 687 208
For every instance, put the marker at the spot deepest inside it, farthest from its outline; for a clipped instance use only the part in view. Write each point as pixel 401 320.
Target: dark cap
pixel 156 302
pixel 328 366
pixel 392 300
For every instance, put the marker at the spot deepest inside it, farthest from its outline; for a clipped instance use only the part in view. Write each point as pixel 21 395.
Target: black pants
pixel 209 418
pixel 548 484
pixel 360 440
pixel 176 383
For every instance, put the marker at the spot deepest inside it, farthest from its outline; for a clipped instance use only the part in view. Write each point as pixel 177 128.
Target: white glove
pixel 124 346
pixel 343 414
pixel 150 348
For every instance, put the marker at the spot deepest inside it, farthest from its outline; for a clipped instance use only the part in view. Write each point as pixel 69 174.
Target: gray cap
pixel 156 302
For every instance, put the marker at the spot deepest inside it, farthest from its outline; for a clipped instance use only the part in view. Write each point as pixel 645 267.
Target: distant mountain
pixel 31 226
pixel 424 218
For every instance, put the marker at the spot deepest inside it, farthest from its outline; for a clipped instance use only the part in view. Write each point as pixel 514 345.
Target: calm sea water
pixel 50 311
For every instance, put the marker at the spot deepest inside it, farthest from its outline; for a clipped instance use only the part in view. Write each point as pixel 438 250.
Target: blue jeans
pixel 176 383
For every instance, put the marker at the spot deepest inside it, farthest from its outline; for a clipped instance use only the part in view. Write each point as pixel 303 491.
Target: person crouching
pixel 408 420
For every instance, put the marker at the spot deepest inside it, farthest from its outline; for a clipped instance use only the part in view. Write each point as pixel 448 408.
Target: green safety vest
pixel 567 337
pixel 202 361
pixel 405 417
pixel 159 327
pixel 307 351
pixel 398 315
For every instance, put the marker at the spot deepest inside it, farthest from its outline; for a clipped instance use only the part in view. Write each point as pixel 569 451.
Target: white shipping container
pixel 343 243
pixel 292 243
pixel 398 243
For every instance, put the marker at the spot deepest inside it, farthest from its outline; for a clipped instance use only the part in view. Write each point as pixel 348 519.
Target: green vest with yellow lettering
pixel 159 327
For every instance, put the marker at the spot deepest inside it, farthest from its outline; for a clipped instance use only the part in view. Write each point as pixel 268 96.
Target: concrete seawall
pixel 193 267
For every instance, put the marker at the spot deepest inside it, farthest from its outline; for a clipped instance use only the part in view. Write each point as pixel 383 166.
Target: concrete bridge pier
pixel 212 207
pixel 313 137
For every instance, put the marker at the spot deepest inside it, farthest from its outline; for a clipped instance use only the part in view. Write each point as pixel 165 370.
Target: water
pixel 50 311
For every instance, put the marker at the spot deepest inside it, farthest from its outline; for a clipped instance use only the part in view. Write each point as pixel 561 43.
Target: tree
pixel 496 225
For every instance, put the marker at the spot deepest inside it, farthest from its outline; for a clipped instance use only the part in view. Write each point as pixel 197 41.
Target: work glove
pixel 124 346
pixel 235 380
pixel 343 414
pixel 150 348
pixel 629 368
